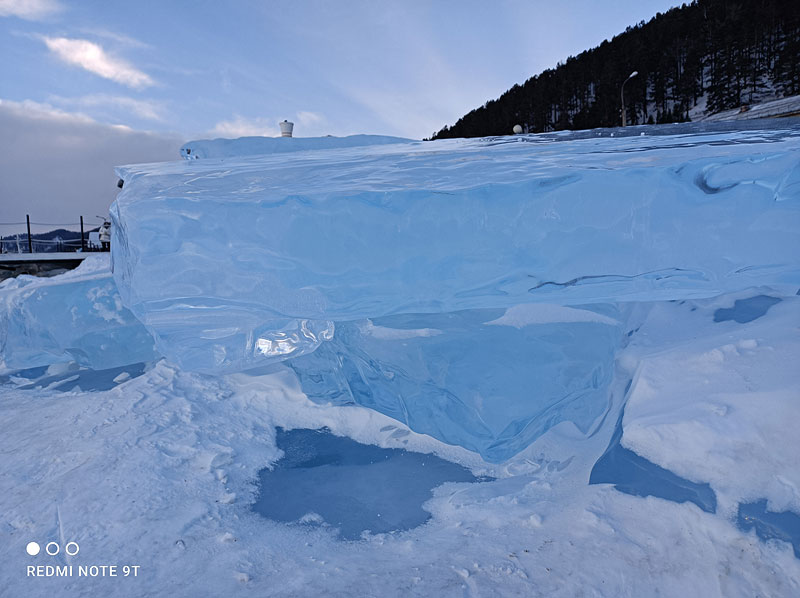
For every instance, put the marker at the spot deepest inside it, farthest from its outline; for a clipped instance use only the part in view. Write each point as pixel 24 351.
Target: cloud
pixel 146 109
pixel 118 38
pixel 40 111
pixel 309 124
pixel 243 127
pixel 32 10
pixel 60 165
pixel 93 58
pixel 309 119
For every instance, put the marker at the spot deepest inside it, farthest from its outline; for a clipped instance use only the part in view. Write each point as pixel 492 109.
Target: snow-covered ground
pixel 157 470
pixel 789 106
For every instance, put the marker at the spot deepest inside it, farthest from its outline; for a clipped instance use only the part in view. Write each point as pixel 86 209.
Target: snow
pixel 161 471
pixel 246 146
pixel 664 320
pixel 520 316
pixel 782 107
pixel 744 419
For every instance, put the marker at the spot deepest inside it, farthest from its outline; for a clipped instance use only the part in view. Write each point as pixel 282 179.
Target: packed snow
pixel 245 146
pixel 591 342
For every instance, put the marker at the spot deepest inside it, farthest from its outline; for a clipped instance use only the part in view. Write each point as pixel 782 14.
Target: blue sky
pixel 140 73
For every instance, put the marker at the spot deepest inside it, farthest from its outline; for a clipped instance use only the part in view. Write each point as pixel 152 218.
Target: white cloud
pixel 93 58
pixel 146 109
pixel 244 127
pixel 32 10
pixel 118 38
pixel 309 119
pixel 39 111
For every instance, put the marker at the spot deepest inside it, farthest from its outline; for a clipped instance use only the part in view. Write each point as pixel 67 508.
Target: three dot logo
pixel 52 548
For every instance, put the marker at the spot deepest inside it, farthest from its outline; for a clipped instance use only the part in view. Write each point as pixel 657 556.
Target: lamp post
pixel 622 94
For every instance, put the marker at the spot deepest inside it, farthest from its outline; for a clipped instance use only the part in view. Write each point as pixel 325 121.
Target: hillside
pixel 693 61
pixel 52 241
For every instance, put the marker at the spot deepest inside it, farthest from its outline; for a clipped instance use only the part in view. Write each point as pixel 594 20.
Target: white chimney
pixel 286 128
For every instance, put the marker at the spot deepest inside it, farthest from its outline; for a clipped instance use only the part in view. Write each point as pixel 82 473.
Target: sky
pixel 88 85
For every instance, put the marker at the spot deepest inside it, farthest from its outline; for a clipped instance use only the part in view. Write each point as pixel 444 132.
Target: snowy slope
pixel 781 107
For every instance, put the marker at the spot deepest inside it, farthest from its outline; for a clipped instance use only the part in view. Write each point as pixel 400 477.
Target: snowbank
pixel 247 146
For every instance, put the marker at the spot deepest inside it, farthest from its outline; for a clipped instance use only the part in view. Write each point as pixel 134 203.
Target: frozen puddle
pixel 354 487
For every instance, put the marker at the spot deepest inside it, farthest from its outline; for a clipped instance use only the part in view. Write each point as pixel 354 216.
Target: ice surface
pixel 237 262
pixel 490 380
pixel 351 486
pixel 77 316
pixel 212 255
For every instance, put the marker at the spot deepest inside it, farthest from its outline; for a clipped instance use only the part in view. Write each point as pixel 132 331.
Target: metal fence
pixel 26 242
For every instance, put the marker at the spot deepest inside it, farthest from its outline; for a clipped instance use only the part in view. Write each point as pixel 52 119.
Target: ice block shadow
pixel 633 474
pixel 85 379
pixel 768 525
pixel 746 310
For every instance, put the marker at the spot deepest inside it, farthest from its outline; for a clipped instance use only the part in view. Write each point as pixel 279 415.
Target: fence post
pixel 30 243
pixel 83 245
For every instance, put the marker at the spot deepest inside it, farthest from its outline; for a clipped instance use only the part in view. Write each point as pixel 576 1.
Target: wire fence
pixel 67 240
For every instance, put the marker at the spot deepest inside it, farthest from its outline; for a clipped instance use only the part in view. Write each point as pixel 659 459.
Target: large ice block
pixel 490 380
pixel 76 316
pixel 222 258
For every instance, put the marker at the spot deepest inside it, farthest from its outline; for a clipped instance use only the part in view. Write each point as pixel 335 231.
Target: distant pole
pixel 622 94
pixel 83 245
pixel 30 244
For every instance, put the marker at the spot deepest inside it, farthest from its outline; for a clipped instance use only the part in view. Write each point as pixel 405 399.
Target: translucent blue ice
pixel 489 380
pixel 73 317
pixel 407 276
pixel 213 255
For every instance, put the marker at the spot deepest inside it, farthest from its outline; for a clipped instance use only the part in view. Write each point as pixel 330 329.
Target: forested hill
pixel 699 59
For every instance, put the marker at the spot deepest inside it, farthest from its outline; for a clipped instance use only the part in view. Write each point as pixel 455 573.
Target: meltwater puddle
pixel 327 479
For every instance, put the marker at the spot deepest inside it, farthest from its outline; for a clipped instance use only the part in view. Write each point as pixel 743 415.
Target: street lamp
pixel 622 94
